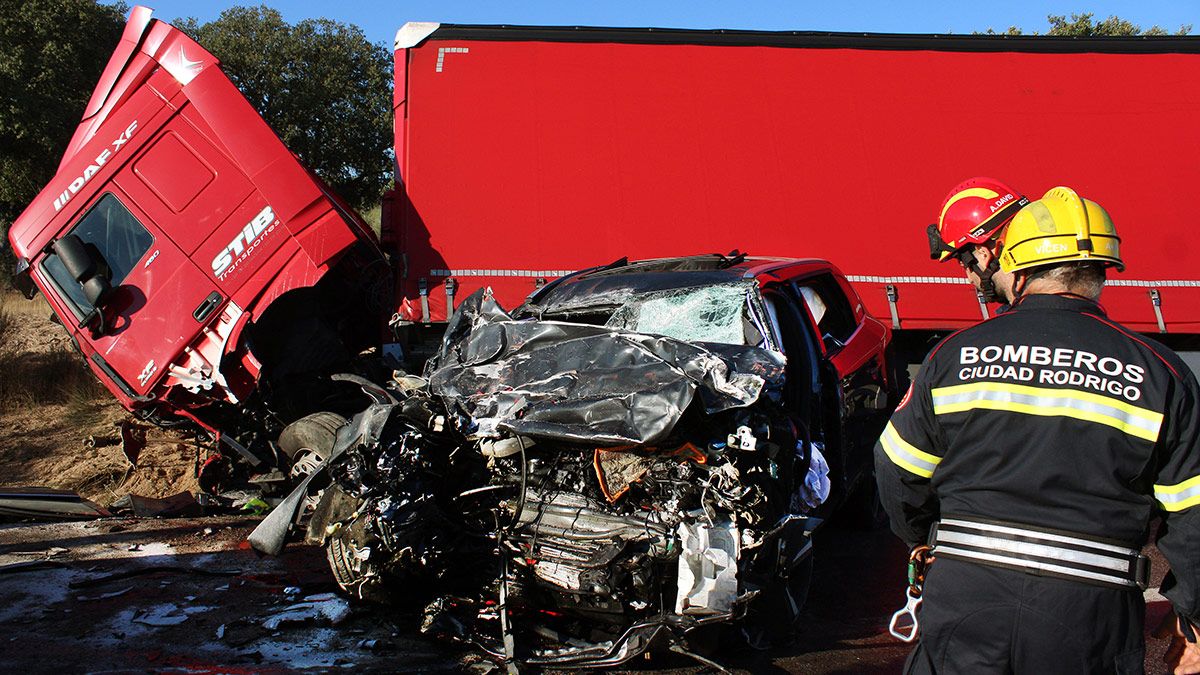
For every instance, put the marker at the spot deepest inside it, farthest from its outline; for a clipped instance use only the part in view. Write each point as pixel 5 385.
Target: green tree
pixel 1084 25
pixel 321 85
pixel 53 53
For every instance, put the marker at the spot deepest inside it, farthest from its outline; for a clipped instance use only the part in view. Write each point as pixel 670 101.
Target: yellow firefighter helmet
pixel 1060 227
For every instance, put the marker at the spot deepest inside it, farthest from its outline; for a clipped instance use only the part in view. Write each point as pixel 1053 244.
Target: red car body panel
pixel 871 338
pixel 229 208
pixel 526 152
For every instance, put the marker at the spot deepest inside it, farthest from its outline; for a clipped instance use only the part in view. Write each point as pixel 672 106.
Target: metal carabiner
pixel 900 620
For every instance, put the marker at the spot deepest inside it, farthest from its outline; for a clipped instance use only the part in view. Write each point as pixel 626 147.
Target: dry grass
pixel 50 401
pixel 18 307
pixel 51 374
pixel 53 377
pixel 7 326
pixel 373 216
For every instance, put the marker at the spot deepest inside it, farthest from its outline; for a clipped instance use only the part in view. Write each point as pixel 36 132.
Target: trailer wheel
pixel 307 442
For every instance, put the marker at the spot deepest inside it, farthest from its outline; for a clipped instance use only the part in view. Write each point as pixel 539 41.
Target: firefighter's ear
pixel 984 255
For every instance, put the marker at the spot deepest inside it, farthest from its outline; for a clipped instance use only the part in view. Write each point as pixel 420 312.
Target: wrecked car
pixel 634 459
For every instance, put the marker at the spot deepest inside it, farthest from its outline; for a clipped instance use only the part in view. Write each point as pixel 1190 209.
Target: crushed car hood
pixel 581 383
pixel 562 494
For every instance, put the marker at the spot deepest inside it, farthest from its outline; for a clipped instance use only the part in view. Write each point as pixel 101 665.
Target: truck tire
pixel 307 442
pixel 314 435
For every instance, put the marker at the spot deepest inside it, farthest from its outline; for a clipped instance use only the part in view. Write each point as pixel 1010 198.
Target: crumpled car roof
pixel 586 384
pixel 613 284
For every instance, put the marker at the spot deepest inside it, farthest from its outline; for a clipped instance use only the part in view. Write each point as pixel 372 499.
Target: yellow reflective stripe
pixel 1130 419
pixel 1179 496
pixel 1048 411
pixel 1143 413
pixel 905 455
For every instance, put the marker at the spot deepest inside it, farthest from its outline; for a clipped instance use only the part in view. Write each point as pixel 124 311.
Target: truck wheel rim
pixel 304 464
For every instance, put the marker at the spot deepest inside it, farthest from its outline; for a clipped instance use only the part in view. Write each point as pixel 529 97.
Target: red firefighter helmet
pixel 973 213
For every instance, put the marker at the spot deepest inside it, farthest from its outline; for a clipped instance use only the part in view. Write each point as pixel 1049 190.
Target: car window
pixel 816 306
pixel 828 306
pixel 800 345
pixel 700 314
pixel 121 239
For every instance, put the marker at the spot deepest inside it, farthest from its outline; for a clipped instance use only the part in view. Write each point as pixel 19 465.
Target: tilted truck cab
pixel 186 250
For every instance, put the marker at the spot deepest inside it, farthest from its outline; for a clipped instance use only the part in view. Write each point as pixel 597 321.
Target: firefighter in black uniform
pixel 1032 451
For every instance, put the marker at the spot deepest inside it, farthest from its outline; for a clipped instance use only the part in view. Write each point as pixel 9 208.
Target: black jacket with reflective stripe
pixel 1053 416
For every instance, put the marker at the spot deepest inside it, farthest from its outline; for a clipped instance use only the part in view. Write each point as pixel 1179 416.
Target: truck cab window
pixel 121 239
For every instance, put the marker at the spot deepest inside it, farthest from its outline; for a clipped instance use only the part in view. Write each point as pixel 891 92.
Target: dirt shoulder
pixel 50 405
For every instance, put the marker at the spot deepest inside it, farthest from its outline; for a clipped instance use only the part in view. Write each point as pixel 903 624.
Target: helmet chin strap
pixel 1020 285
pixel 986 287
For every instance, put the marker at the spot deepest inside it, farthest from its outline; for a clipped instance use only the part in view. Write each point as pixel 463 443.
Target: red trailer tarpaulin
pixel 527 152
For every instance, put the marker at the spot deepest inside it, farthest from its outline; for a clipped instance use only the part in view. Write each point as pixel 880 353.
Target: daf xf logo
pixel 244 242
pixel 147 372
pixel 94 168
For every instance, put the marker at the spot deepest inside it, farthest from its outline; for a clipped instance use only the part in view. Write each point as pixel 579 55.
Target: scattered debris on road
pixel 42 502
pixel 324 608
pixel 182 505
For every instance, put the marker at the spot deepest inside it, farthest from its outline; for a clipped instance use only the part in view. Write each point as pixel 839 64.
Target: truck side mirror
pixel 97 289
pixel 102 268
pixel 75 257
pixel 87 265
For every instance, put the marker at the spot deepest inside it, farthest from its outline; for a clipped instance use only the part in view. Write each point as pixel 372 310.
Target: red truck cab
pixel 179 237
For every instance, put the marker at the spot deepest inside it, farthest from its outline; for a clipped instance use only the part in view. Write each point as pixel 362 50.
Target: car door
pixel 802 386
pixel 853 344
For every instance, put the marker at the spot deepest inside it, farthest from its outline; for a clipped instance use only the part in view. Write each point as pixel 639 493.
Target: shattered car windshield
pixel 699 314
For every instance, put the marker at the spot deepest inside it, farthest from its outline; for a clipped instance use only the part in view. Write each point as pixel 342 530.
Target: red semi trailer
pixel 526 152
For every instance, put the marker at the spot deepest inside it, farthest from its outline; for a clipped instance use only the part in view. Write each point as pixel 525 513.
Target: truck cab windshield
pixel 121 239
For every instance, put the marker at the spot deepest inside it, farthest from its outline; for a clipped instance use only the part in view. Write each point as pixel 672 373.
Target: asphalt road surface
pixel 125 596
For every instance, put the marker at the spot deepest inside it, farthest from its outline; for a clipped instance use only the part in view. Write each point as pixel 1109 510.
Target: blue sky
pixel 380 19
